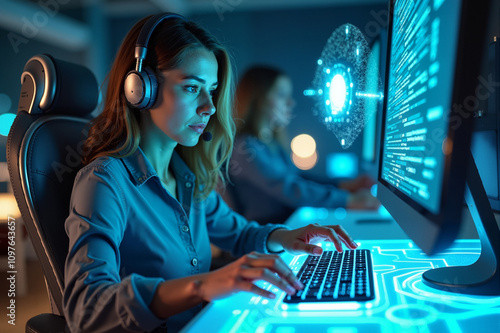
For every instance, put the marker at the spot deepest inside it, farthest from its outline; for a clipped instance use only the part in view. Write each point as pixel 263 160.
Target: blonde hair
pixel 116 131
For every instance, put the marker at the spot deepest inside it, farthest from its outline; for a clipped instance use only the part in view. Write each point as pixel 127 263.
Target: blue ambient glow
pixel 340 213
pixel 6 121
pixel 342 165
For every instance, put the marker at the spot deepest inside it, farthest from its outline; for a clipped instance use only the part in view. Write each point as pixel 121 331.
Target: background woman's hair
pixel 116 131
pixel 251 94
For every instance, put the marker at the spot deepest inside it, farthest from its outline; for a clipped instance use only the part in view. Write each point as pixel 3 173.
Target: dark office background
pixel 287 34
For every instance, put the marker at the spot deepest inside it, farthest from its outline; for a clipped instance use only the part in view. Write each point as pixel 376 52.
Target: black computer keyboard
pixel 334 276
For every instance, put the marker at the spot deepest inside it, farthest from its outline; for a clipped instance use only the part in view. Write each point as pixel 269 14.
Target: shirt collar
pixel 141 169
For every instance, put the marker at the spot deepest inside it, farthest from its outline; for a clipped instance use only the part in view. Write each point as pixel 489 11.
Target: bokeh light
pixel 8 205
pixel 5 103
pixel 305 163
pixel 303 145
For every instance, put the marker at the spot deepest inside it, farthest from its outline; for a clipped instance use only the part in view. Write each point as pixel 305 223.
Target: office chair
pixel 44 154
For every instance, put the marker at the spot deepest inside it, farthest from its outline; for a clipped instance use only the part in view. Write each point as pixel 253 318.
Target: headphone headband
pixel 141 47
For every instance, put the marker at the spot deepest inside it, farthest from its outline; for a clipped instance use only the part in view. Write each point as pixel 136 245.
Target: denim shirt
pixel 267 187
pixel 128 234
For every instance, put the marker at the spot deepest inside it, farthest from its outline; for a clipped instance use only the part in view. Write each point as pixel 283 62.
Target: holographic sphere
pixel 347 86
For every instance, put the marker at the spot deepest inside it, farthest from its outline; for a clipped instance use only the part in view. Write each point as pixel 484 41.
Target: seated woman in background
pixel 143 210
pixel 266 186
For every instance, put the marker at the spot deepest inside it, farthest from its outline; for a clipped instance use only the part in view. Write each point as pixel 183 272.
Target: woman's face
pixel 184 103
pixel 280 102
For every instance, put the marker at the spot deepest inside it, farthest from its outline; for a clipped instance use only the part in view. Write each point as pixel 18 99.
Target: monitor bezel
pixel 433 232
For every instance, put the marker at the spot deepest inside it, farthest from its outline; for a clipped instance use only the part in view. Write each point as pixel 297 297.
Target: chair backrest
pixel 44 149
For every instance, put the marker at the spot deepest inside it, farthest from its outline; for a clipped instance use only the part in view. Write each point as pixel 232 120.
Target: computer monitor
pixel 425 170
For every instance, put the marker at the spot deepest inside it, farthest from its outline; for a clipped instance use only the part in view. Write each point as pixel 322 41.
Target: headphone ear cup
pixel 141 88
pixel 153 87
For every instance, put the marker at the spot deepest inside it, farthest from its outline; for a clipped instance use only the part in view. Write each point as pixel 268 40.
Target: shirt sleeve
pixel 255 164
pixel 231 231
pixel 96 298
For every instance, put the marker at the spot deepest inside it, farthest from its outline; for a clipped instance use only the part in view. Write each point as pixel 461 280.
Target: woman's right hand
pixel 241 274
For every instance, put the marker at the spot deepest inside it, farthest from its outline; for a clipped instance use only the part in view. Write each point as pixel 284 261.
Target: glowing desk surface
pixel 403 303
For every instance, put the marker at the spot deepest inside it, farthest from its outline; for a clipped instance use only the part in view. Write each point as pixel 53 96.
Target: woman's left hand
pixel 302 240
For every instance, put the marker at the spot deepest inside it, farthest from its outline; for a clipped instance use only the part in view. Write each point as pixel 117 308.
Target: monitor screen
pixel 434 59
pixel 426 167
pixel 423 57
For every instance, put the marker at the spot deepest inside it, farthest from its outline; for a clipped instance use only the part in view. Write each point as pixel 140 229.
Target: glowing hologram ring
pixel 346 84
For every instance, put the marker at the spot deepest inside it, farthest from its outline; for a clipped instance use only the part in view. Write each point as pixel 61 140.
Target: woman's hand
pixel 302 240
pixel 362 182
pixel 174 296
pixel 362 199
pixel 241 274
pixel 177 295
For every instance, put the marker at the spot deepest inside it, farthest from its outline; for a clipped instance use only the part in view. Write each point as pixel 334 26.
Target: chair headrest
pixel 51 85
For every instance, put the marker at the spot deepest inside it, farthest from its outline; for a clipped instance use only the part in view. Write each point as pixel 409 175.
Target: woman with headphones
pixel 143 209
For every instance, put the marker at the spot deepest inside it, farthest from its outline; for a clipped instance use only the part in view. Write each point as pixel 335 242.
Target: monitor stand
pixel 483 276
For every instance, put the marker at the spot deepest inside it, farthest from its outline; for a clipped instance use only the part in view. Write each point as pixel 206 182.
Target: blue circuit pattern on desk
pixel 402 304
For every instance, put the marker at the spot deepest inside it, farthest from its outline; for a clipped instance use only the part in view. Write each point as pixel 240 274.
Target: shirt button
pixel 185 228
pixel 188 185
pixel 194 262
